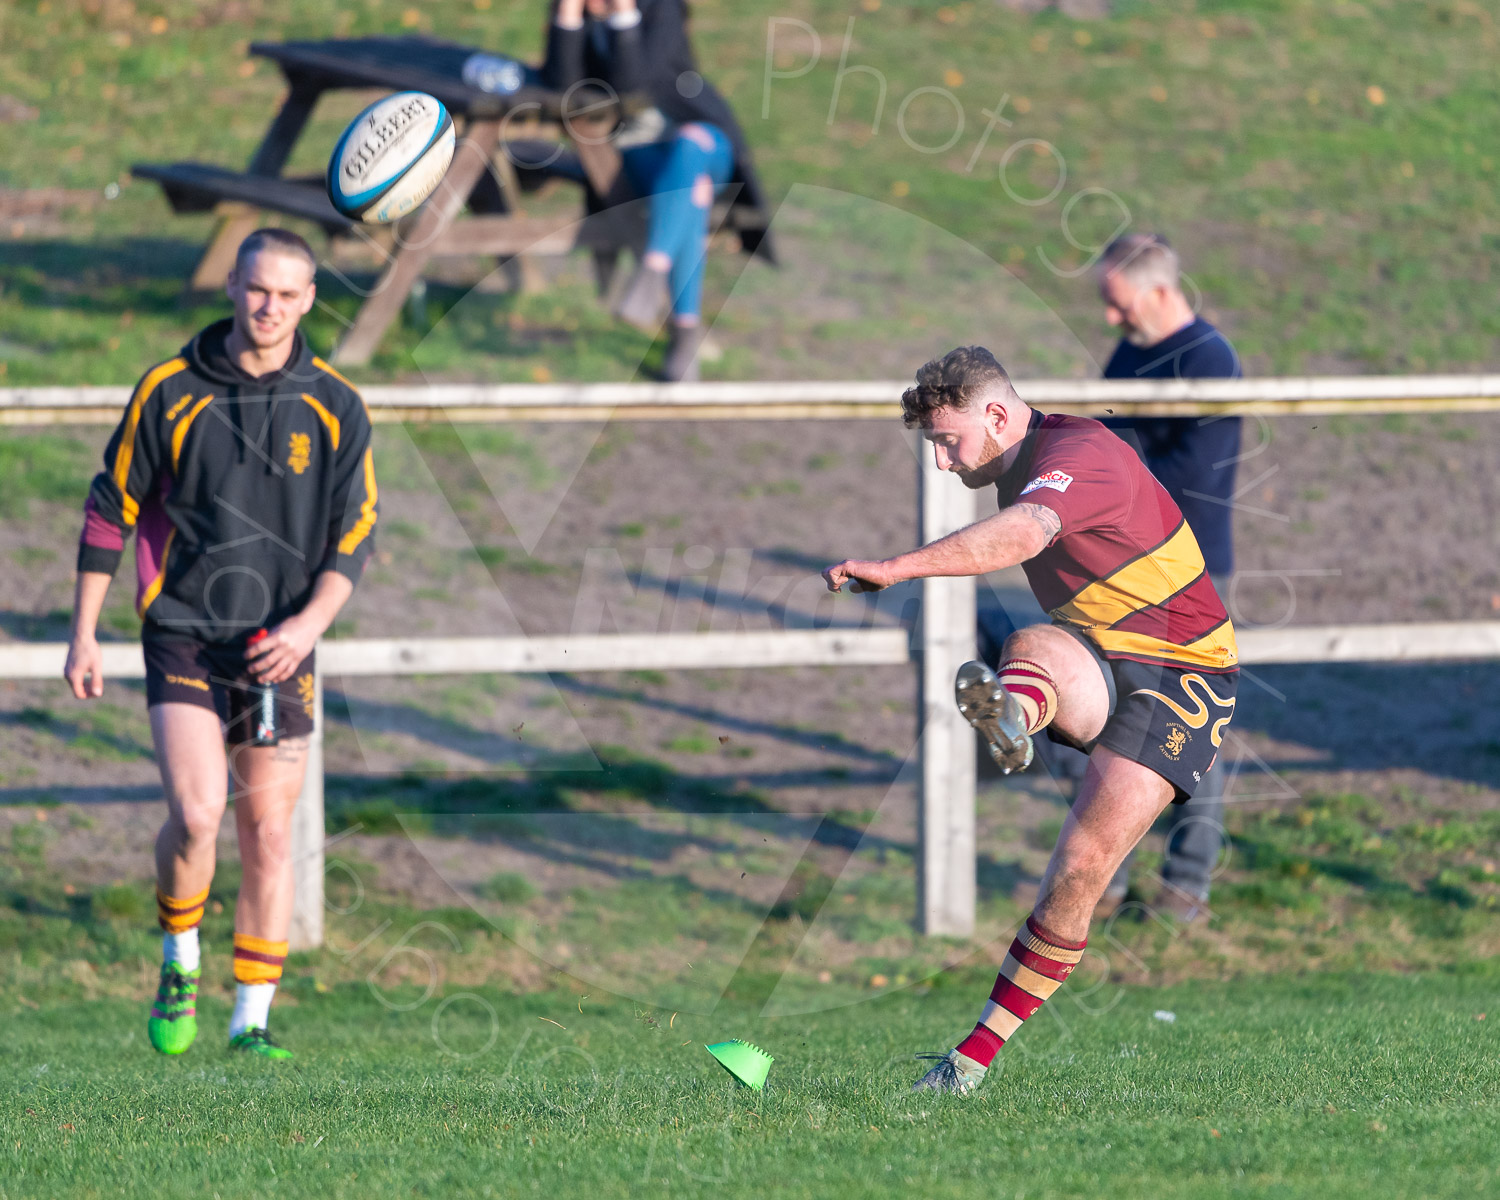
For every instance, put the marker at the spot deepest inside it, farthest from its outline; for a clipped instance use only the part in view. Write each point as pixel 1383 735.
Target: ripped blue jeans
pixel 667 171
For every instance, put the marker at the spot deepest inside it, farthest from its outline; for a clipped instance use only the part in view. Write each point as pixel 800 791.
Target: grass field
pixel 1328 1087
pixel 1329 1034
pixel 522 968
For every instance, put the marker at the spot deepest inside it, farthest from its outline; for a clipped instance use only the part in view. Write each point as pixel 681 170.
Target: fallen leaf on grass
pixel 550 1021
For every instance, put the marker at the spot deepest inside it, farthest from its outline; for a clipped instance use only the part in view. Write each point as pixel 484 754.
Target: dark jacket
pixel 1194 457
pixel 655 59
pixel 242 490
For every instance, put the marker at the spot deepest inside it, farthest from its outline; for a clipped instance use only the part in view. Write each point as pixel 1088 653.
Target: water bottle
pixel 490 73
pixel 267 732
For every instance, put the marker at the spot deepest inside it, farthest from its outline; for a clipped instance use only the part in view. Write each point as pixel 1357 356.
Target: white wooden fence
pixel 946 899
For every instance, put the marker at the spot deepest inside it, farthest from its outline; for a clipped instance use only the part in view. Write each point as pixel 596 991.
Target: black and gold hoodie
pixel 242 490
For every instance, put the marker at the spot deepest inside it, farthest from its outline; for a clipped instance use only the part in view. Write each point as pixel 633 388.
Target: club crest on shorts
pixel 306 692
pixel 299 453
pixel 1177 738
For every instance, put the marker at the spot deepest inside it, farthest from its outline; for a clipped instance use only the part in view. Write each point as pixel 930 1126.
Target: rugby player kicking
pixel 1138 667
pixel 244 467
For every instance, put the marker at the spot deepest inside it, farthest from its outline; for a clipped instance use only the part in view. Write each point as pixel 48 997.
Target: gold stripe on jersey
pixel 331 421
pixel 1216 648
pixel 153 589
pixel 1152 579
pixel 179 434
pixel 351 540
pixel 129 507
pixel 323 366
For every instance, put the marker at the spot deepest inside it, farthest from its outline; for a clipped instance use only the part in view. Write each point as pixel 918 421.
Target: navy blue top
pixel 1194 457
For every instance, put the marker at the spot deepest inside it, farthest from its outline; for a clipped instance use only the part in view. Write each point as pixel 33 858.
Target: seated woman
pixel 678 152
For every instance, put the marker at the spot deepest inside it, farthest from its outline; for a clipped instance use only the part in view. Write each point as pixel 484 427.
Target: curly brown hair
pixel 953 381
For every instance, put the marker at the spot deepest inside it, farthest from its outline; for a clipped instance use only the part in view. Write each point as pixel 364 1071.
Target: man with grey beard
pixel 1162 337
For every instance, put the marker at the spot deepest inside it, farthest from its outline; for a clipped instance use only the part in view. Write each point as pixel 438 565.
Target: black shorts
pixel 1170 719
pixel 212 675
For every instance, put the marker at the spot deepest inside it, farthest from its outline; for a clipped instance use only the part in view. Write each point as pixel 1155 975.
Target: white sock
pixel 182 949
pixel 252 1007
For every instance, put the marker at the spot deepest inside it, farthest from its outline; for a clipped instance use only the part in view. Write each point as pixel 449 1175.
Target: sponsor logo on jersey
pixel 1058 481
pixel 299 455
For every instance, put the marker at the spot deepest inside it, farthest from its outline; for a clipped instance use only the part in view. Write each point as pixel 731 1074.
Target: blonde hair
pixel 1145 259
pixel 276 241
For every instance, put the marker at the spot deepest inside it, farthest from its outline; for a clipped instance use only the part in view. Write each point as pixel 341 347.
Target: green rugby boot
pixel 258 1041
pixel 956 1073
pixel 173 1023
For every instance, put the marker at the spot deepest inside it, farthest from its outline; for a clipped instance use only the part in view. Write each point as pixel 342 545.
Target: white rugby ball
pixel 391 158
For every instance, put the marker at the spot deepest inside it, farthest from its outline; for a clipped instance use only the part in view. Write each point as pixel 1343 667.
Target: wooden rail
pixel 1354 394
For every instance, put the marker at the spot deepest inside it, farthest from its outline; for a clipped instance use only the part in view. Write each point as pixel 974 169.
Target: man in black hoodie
pixel 244 465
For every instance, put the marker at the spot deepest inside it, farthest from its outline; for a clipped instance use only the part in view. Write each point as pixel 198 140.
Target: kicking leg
pixel 1046 677
pixel 189 745
pixel 268 780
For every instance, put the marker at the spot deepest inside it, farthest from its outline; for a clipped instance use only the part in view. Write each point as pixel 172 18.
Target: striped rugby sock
pixel 1030 684
pixel 257 960
pixel 1036 966
pixel 257 971
pixel 178 914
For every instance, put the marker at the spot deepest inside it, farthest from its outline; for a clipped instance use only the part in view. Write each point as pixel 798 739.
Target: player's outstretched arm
pixel 84 669
pixel 1010 537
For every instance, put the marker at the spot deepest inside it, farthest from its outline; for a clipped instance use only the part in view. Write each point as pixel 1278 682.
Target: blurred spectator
pixel 678 151
pixel 1195 459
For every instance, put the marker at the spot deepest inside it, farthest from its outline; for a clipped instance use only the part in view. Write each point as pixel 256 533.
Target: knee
pixel 1030 643
pixel 703 191
pixel 699 135
pixel 266 836
pixel 197 822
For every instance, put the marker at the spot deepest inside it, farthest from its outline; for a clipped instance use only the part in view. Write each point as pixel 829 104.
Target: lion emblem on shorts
pixel 1177 738
pixel 307 691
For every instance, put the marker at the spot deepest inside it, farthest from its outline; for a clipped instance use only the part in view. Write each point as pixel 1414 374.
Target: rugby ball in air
pixel 391 158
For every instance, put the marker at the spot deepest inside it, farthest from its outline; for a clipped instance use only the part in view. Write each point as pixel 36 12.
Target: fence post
pixel 945 805
pixel 307 834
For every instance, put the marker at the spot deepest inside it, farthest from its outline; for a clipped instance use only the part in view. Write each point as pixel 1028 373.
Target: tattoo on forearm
pixel 1050 522
pixel 290 750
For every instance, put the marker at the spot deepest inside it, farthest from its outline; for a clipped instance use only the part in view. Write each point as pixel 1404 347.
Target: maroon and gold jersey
pixel 1125 569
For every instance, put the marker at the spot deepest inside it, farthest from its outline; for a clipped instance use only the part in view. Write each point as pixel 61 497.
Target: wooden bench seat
pixel 202 187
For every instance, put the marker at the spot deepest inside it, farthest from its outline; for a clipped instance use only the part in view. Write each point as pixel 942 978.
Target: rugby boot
pixel 996 714
pixel 173 1023
pixel 258 1041
pixel 954 1072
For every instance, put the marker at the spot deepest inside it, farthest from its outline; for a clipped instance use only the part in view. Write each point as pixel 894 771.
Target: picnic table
pixel 488 122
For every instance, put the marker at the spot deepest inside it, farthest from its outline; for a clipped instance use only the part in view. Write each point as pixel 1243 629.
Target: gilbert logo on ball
pixel 391 158
pixel 749 1064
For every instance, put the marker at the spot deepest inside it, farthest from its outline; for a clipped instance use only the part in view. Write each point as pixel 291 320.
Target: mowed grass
pixel 1342 1086
pixel 1329 171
